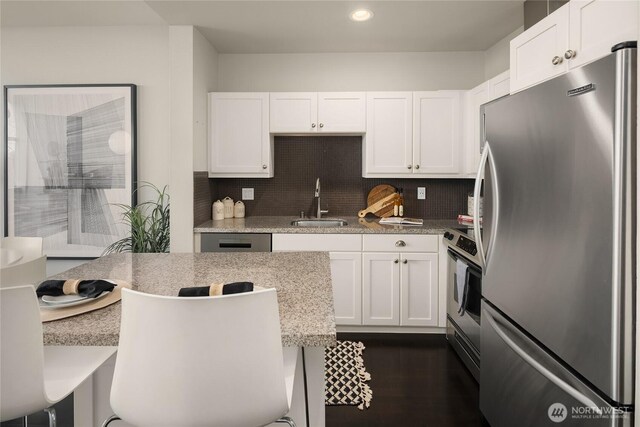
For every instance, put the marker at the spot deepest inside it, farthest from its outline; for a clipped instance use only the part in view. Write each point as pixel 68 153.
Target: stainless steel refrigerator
pixel 559 249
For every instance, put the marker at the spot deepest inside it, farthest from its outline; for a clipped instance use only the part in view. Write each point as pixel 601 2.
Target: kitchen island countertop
pixel 302 279
pixel 282 224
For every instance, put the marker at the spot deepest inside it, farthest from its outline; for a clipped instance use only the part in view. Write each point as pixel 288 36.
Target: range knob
pixel 449 236
pixel 446 234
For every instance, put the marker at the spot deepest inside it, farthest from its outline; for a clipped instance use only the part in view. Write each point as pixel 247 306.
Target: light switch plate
pixel 247 194
pixel 422 193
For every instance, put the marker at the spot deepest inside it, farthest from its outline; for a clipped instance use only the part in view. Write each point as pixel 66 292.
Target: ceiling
pixel 295 26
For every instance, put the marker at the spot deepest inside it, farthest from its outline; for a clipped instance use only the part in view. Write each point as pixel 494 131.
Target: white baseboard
pixel 392 329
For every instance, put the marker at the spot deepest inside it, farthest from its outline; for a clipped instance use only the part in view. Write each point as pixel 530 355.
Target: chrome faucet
pixel 317 196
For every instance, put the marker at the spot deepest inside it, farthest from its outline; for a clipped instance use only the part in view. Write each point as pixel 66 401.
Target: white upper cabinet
pixel 388 142
pixel 413 134
pixel 537 54
pixel 342 112
pixel 311 112
pixel 596 25
pixel 293 112
pixel 436 132
pixel 579 32
pixel 473 100
pixel 239 141
pixel 499 86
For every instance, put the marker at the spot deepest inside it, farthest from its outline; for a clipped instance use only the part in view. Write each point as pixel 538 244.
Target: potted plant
pixel 149 223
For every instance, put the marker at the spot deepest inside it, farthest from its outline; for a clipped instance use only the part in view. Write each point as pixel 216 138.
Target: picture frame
pixel 70 154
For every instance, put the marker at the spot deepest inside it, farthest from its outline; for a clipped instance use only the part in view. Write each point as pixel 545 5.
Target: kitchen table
pixel 303 282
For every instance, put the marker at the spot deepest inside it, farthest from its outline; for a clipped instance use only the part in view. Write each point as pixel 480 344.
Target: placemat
pixel 49 315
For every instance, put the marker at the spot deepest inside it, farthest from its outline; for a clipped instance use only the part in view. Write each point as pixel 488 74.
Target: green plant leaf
pixel 149 223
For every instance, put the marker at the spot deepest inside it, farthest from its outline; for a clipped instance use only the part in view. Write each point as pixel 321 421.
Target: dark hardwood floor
pixel 417 380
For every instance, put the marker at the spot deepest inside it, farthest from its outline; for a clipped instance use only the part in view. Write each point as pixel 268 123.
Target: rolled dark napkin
pixel 85 288
pixel 217 289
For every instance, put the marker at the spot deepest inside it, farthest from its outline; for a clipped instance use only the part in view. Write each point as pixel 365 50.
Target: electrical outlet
pixel 422 193
pixel 247 194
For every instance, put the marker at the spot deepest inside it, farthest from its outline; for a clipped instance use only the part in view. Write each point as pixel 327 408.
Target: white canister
pixel 217 210
pixel 228 207
pixel 470 205
pixel 238 209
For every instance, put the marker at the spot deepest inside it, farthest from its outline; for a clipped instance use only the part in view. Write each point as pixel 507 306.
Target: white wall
pixel 193 74
pixel 76 55
pixel 496 58
pixel 205 80
pixel 350 71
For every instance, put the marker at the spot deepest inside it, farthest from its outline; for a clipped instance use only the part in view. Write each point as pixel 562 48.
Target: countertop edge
pixel 281 225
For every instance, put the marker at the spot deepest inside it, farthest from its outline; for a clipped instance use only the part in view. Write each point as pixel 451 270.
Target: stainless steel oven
pixel 464 295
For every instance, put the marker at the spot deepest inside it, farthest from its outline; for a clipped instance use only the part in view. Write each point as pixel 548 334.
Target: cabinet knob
pixel 400 244
pixel 556 60
pixel 313 125
pixel 405 261
pixel 321 125
pixel 409 167
pixel 395 261
pixel 264 166
pixel 570 54
pixel 417 166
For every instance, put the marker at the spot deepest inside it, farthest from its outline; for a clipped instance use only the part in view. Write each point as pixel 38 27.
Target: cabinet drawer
pixel 316 242
pixel 393 243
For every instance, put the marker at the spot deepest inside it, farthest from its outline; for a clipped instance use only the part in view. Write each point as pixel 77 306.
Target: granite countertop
pixel 302 279
pixel 282 224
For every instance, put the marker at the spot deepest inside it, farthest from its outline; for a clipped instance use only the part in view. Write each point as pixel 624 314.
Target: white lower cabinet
pixel 400 285
pixel 400 289
pixel 346 275
pixel 379 280
pixel 419 289
pixel 345 251
pixel 381 290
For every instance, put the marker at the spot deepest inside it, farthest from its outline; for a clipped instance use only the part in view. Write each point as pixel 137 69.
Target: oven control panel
pixel 462 243
pixel 467 245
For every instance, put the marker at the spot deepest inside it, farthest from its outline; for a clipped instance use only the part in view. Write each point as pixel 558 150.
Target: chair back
pixel 31 269
pixel 214 361
pixel 30 246
pixel 21 354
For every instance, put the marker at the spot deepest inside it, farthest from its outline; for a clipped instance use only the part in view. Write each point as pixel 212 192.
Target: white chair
pixel 34 377
pixel 214 361
pixel 30 245
pixel 30 268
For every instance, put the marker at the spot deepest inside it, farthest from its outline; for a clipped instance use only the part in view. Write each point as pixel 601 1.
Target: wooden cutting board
pixel 379 192
pixel 376 195
pixel 382 208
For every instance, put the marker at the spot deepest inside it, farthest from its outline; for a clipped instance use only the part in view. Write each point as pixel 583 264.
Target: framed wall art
pixel 70 159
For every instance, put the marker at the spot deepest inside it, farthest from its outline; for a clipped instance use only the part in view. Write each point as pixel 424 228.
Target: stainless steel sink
pixel 325 222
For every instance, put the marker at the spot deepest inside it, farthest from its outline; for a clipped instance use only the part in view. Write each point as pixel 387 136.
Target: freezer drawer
pixel 522 385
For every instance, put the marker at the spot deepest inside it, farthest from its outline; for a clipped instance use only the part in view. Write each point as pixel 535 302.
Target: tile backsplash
pixel 337 161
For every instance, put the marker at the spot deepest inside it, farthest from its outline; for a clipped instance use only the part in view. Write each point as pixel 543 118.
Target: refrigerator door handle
pixel 538 366
pixel 476 204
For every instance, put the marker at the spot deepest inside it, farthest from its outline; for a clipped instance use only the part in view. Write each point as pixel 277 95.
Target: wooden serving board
pixel 378 194
pixel 381 208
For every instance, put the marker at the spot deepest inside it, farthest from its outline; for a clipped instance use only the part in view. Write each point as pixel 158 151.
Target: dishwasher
pixel 235 242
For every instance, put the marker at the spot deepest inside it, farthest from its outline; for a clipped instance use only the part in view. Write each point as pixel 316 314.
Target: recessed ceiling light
pixel 361 15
